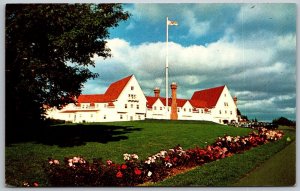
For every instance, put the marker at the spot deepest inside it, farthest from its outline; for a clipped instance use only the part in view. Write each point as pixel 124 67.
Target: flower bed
pixel 77 171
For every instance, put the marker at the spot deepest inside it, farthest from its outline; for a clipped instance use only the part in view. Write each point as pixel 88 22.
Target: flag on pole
pixel 172 23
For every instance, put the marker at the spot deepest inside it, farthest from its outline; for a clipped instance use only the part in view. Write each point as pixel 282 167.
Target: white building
pixel 124 100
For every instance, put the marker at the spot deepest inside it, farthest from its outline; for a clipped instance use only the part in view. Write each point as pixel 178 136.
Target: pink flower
pixel 109 162
pixel 35 184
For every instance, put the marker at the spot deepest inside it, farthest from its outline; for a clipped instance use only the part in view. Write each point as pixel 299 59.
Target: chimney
pixel 174 115
pixel 156 92
pixel 235 100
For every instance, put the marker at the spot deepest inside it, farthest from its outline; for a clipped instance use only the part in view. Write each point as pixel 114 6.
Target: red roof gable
pixel 115 89
pixel 111 94
pixel 207 98
pixel 151 100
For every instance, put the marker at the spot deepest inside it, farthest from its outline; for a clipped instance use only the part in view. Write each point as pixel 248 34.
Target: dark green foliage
pixel 48 50
pixel 284 121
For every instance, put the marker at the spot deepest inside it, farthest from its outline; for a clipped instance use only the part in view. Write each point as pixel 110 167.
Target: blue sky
pixel 251 48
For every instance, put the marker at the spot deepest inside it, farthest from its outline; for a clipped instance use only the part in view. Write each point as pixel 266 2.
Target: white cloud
pixel 196 28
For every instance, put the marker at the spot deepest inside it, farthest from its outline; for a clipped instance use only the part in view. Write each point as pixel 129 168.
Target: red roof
pixel 111 94
pixel 115 89
pixel 207 98
pixel 151 100
pixel 92 98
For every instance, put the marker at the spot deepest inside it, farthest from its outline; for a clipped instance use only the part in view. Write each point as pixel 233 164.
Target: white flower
pixel 135 156
pixel 168 164
pixel 126 156
pixel 147 161
pixel 70 164
pixel 149 173
pixel 163 153
pixel 228 138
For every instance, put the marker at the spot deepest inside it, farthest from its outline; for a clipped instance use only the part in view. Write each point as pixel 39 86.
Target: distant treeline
pixel 284 121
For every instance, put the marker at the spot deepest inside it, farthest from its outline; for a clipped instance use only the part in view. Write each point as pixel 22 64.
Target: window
pixel 105 105
pixel 121 116
pixel 224 95
pixel 104 117
pixel 220 112
pixel 178 109
pixel 92 115
pixel 201 110
pixel 132 87
pixel 190 110
pixel 225 111
pixel 184 109
pixel 230 112
pixel 160 108
pixel 131 105
pixel 137 106
pixel 125 105
pixel 154 107
pixel 139 117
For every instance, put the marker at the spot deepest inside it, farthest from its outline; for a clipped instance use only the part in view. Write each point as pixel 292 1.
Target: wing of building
pixel 124 100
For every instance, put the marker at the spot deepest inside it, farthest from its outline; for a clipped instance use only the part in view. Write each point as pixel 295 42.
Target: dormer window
pixel 132 87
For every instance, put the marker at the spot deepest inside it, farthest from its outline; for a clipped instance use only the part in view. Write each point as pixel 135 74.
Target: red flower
pixel 119 174
pixel 175 159
pixel 124 166
pixel 137 171
pixel 35 184
pixel 167 158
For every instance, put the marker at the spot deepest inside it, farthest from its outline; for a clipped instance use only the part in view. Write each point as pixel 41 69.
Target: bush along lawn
pixel 77 171
pixel 230 170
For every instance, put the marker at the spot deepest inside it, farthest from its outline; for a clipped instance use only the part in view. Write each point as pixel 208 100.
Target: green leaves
pixel 42 38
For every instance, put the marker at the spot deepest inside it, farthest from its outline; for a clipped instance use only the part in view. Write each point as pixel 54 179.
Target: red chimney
pixel 174 115
pixel 156 92
pixel 235 100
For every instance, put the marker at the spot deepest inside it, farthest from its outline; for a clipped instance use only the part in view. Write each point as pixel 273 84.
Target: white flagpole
pixel 167 64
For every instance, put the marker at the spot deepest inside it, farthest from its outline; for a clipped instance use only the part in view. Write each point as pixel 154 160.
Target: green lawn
pixel 24 160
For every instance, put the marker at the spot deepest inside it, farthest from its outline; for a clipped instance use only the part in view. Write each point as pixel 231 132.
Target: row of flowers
pixel 77 171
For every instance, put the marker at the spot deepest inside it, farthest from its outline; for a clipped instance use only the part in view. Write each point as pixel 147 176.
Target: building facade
pixel 124 100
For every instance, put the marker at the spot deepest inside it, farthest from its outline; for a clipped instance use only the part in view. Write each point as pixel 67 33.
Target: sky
pixel 250 48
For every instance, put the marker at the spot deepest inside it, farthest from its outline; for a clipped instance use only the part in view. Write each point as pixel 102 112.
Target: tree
pixel 48 50
pixel 283 121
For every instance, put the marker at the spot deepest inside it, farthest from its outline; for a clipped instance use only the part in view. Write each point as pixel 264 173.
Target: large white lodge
pixel 124 100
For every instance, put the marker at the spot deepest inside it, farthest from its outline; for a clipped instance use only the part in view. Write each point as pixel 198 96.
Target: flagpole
pixel 167 64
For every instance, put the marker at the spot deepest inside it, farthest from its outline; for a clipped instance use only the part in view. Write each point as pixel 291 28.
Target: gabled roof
pixel 207 98
pixel 151 100
pixel 112 93
pixel 116 88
